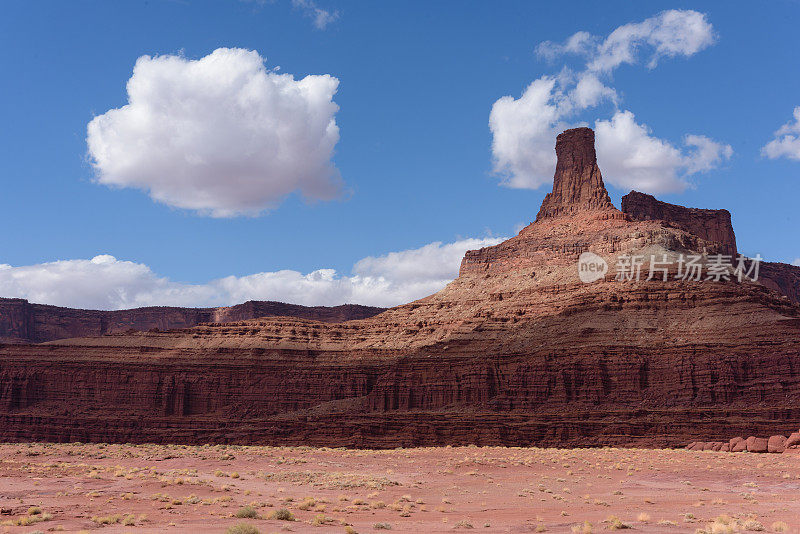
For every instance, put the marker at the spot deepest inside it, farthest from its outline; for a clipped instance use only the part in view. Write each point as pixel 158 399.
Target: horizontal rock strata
pixel 515 351
pixel 24 322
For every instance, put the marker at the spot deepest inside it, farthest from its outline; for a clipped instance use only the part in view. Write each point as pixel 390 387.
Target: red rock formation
pixel 714 227
pixel 755 444
pixel 23 322
pixel 776 444
pixel 515 351
pixel 577 184
pixel 739 446
pixel 710 225
pixel 783 278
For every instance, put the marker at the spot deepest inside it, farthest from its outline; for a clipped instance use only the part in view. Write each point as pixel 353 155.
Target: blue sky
pixel 416 85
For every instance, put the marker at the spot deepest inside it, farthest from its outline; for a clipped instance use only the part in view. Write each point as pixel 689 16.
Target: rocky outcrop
pixel 715 228
pixel 783 278
pixel 710 225
pixel 578 183
pixel 774 444
pixel 24 322
pixel 515 351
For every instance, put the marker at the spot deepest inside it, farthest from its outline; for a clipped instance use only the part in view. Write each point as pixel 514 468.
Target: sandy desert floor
pixel 162 488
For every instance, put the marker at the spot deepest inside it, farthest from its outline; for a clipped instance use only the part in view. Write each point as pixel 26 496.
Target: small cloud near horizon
pixel 107 283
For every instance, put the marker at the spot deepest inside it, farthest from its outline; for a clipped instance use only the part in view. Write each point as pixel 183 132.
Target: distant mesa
pixel 515 351
pixel 25 322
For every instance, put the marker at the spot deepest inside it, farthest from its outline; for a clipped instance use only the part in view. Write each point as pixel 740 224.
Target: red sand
pixel 161 488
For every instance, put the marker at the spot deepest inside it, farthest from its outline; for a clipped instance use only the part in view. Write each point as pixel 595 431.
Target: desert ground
pixel 215 488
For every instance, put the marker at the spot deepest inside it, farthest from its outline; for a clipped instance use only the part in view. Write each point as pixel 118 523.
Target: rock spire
pixel 577 184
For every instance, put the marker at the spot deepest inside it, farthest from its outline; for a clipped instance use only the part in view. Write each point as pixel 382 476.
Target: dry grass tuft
pixel 582 528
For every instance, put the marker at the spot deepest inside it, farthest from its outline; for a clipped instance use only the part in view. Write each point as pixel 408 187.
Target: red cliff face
pixel 515 351
pixel 783 278
pixel 710 225
pixel 23 322
pixel 713 227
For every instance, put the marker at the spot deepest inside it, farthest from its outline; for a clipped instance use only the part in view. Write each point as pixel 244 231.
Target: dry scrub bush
pixel 243 528
pixel 282 514
pixel 247 512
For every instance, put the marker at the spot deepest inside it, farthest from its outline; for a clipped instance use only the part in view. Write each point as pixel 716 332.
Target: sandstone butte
pixel 515 351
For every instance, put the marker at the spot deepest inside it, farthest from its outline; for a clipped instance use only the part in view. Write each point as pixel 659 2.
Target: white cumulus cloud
pixel 221 135
pixel 796 262
pixel 704 153
pixel 786 143
pixel 670 33
pixel 105 282
pixel 631 158
pixel 524 129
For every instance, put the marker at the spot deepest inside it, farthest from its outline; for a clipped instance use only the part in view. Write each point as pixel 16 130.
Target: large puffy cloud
pixel 105 282
pixel 221 135
pixel 521 128
pixel 786 143
pixel 524 128
pixel 631 158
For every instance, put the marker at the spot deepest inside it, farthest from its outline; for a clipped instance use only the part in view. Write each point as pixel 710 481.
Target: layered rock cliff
pixel 783 278
pixel 24 322
pixel 516 351
pixel 711 225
